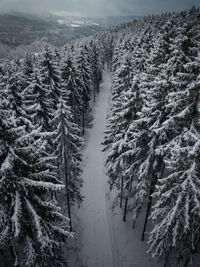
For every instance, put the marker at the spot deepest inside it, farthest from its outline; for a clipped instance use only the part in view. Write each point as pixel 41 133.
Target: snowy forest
pixel 151 143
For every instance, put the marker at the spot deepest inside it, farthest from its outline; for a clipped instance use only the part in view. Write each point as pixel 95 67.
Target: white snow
pixel 60 21
pixel 36 219
pixel 75 25
pixel 79 22
pixel 15 217
pixel 95 235
pixel 7 163
pixel 102 239
pixel 96 24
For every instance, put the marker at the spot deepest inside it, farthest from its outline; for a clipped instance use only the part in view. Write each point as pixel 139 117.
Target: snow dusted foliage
pixel 153 130
pixel 84 69
pixel 36 102
pixel 176 234
pixel 67 143
pixel 70 83
pixel 30 222
pixel 49 76
pixel 179 191
pixel 41 79
pixel 41 104
pixel 152 136
pixel 118 123
pixel 177 209
pixel 96 60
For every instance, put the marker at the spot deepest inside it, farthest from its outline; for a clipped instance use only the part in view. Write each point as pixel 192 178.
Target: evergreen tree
pixel 30 222
pixel 36 102
pixel 181 185
pixel 118 123
pixel 49 75
pixel 70 83
pixel 83 67
pixel 67 144
pixel 96 68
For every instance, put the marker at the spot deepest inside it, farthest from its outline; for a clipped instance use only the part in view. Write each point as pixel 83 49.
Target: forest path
pixel 96 237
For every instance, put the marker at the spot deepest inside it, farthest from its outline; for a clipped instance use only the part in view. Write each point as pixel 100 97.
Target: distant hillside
pixel 20 28
pixel 16 29
pixel 101 22
pixel 114 20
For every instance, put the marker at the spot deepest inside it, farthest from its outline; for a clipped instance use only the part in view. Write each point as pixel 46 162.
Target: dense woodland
pixel 44 108
pixel 153 131
pixel 152 138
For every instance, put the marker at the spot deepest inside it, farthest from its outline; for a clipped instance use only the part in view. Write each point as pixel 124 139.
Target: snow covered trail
pixel 96 242
pixel 102 239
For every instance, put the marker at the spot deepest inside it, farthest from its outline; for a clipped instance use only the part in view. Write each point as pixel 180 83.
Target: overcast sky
pixel 98 7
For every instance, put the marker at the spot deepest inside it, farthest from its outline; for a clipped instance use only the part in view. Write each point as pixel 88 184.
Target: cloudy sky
pixel 98 7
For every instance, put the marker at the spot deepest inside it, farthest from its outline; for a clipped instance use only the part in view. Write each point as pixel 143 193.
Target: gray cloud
pixel 98 7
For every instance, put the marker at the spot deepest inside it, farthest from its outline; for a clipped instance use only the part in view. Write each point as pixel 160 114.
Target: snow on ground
pixel 75 25
pixel 101 238
pixel 95 236
pixel 128 248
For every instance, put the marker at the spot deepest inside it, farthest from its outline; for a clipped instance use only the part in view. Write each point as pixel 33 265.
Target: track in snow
pixel 96 242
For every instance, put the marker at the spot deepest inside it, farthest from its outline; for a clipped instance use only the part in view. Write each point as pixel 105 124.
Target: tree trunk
pixel 94 92
pixel 69 210
pixel 135 217
pixel 125 209
pixel 186 262
pixel 83 119
pixel 133 225
pixel 192 253
pixel 121 195
pixel 14 255
pixel 153 182
pixel 146 217
pixel 109 64
pixel 65 169
pixel 126 200
pixel 98 87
